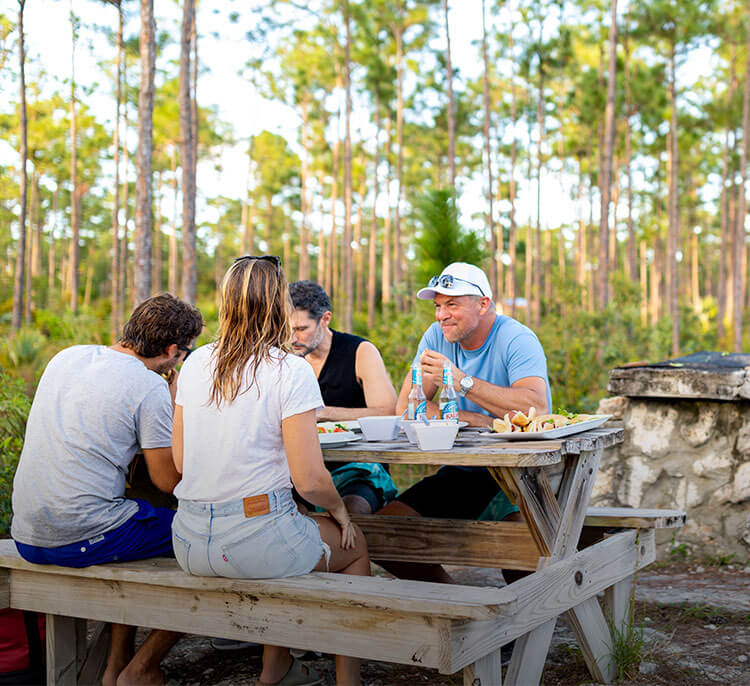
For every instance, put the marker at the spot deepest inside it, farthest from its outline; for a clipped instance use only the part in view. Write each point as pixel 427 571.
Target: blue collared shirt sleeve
pixel 526 358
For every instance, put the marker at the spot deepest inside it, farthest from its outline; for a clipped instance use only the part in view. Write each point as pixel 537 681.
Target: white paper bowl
pixel 436 435
pixel 379 428
pixel 407 426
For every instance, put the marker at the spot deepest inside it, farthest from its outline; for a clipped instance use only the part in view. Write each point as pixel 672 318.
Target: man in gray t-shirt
pixel 93 409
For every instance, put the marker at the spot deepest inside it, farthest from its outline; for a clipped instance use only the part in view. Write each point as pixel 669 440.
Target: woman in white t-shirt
pixel 244 430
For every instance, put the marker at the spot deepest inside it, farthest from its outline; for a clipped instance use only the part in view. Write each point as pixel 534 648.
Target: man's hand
pixel 432 368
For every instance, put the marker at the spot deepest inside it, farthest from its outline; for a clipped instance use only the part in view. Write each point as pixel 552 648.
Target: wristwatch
pixel 466 384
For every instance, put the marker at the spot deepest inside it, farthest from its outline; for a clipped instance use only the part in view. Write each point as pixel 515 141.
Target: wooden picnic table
pixel 550 481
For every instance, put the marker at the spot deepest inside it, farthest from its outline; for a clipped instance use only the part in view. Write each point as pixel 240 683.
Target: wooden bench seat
pixel 447 628
pixel 634 518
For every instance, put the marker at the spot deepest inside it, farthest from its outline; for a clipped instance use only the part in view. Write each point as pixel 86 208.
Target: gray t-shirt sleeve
pixel 153 419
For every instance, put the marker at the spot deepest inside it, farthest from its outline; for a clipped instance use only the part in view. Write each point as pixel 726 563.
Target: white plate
pixel 350 424
pixel 338 439
pixel 563 431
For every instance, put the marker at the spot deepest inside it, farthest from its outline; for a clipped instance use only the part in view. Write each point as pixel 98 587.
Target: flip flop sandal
pixel 298 675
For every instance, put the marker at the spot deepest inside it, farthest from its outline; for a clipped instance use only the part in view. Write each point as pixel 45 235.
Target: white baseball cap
pixel 458 278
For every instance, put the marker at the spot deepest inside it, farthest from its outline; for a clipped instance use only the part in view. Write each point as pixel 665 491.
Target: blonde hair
pixel 254 316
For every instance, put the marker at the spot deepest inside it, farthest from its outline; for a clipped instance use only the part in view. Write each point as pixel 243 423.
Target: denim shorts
pixel 217 539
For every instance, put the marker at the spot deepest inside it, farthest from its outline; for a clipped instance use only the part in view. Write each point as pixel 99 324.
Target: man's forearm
pixel 501 400
pixel 330 413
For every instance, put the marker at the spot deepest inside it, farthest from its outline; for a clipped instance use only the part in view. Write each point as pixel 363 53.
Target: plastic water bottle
pixel 417 408
pixel 448 395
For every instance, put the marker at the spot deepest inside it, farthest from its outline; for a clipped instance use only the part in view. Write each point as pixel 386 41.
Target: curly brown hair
pixel 254 317
pixel 158 322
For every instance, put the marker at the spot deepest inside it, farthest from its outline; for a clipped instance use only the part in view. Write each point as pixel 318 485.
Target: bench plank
pixel 463 602
pixel 499 545
pixel 634 518
pixel 405 638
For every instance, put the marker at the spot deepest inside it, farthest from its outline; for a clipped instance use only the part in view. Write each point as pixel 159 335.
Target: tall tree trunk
pixel 331 284
pixel 644 284
pixel 347 243
pixel 513 267
pixel 674 216
pixel 632 250
pixel 372 242
pixel 173 271
pixel 537 252
pixel 304 237
pixel 386 274
pixel 740 250
pixel 33 202
pixel 248 215
pixel 124 246
pixel 187 150
pixel 156 253
pixel 51 255
pixel 74 254
pixel 582 251
pixel 143 180
pixel 359 229
pixel 724 245
pixel 606 172
pixel 116 285
pixel 18 283
pixel 399 159
pixel 320 273
pixel 194 123
pixel 88 287
pixel 451 104
pixel 496 266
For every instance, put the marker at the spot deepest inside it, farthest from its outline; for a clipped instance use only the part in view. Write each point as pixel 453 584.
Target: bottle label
pixel 449 411
pixel 421 411
pixel 447 376
pixel 410 411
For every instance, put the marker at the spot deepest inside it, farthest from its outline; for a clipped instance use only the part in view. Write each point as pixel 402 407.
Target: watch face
pixel 467 383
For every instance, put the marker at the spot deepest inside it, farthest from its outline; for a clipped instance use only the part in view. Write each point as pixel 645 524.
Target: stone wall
pixel 688 454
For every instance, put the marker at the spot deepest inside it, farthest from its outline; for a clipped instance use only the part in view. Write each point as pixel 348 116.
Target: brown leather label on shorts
pixel 256 505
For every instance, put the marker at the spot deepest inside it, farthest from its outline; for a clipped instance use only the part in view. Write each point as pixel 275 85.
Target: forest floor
pixel 694 618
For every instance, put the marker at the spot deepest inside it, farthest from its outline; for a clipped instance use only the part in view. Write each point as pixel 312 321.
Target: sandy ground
pixel 695 621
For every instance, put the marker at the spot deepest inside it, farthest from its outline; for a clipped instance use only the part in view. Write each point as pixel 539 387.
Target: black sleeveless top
pixel 338 377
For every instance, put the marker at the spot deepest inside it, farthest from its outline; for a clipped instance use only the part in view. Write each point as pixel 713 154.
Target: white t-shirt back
pixel 236 450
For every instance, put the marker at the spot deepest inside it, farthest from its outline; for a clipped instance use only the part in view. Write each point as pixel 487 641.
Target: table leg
pixel 555 524
pixel 487 671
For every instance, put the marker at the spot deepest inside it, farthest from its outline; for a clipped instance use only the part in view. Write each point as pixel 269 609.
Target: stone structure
pixel 687 446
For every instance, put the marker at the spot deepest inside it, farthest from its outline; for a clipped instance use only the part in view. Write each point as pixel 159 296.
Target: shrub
pixel 14 411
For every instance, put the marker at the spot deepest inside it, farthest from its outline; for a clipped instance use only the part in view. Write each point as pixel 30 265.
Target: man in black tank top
pixel 353 382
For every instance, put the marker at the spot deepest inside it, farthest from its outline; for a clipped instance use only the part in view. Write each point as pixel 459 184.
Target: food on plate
pixel 531 422
pixel 334 429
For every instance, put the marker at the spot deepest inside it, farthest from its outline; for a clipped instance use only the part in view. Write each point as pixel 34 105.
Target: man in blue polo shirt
pixel 498 367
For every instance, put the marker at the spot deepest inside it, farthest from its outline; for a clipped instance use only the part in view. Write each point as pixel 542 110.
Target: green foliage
pixel 14 410
pixel 678 552
pixel 721 559
pixel 442 240
pixel 628 648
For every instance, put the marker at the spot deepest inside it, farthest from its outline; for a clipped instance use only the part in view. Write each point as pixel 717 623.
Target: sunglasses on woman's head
pixel 447 281
pixel 273 259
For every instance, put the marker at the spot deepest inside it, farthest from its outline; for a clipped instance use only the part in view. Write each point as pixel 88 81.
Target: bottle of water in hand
pixel 448 395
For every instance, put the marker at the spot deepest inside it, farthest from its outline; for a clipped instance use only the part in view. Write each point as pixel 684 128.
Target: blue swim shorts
pixel 148 533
